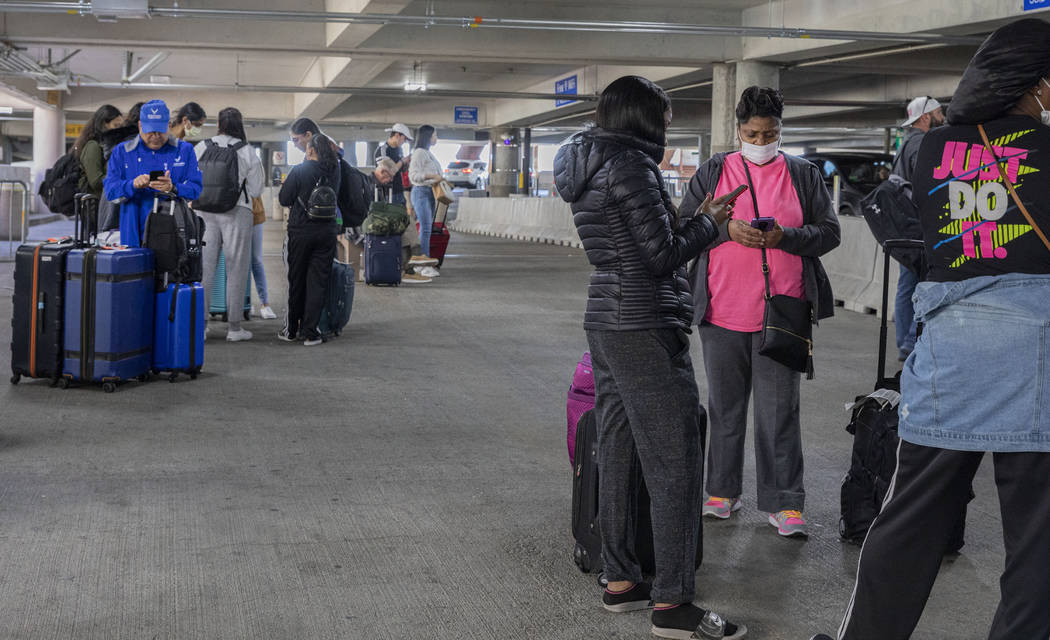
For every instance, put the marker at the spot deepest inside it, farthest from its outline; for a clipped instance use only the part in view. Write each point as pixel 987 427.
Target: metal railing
pixel 11 217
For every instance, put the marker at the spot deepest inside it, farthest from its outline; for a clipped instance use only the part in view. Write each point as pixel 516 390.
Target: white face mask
pixel 193 132
pixel 1044 115
pixel 759 153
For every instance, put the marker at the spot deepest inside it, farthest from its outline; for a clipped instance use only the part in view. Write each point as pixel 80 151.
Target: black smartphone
pixel 764 224
pixel 736 193
pixel 155 175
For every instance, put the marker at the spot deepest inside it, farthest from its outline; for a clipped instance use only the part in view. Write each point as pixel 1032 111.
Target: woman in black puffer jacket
pixel 639 310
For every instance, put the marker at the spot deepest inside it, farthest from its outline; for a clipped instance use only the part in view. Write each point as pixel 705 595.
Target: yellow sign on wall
pixel 73 130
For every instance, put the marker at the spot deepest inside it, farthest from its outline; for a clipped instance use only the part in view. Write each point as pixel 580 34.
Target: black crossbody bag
pixel 787 325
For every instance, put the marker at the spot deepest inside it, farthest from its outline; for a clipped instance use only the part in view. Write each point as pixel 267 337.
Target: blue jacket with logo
pixel 979 378
pixel 134 158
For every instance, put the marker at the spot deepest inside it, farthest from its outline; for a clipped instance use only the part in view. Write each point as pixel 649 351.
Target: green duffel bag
pixel 385 219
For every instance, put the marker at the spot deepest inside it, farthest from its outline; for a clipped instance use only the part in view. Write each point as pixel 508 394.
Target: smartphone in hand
pixel 736 193
pixel 155 175
pixel 764 224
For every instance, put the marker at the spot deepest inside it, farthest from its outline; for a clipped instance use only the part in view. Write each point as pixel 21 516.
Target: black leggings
pixel 310 255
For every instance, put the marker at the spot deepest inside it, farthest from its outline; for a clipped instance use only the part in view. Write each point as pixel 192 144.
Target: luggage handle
pixel 884 324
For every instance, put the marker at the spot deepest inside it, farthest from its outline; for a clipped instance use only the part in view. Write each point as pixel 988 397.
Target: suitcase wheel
pixel 143 378
pixel 247 314
pixel 193 374
pixel 63 383
pixel 172 377
pixel 225 317
pixel 842 528
pixel 109 387
pixel 155 372
pixel 581 558
pixel 602 580
pixel 16 378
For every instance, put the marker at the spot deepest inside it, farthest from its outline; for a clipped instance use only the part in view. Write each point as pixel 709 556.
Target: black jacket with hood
pixel 630 231
pixel 818 234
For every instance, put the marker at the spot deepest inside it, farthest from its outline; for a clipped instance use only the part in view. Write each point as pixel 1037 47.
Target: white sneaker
pixel 429 272
pixel 238 336
pixel 313 343
pixel 266 312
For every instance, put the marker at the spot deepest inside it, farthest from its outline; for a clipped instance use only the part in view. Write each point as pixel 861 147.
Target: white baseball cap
pixel 918 107
pixel 402 129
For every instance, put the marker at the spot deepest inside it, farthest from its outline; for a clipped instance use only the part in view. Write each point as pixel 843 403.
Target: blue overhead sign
pixel 466 115
pixel 565 86
pixel 1031 5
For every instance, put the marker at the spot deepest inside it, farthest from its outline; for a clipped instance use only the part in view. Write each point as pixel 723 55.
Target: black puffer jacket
pixel 630 231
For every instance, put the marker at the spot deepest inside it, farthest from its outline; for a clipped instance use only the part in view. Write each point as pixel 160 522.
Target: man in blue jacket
pixel 128 174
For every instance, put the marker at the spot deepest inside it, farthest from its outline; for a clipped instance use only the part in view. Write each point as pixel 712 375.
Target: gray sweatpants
pixel 735 369
pixel 231 233
pixel 647 403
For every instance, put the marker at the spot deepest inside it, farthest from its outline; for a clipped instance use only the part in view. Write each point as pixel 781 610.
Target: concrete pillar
pixel 49 143
pixel 526 160
pixel 703 147
pixel 723 104
pixel 749 73
pixel 370 160
pixel 506 162
pixel 350 152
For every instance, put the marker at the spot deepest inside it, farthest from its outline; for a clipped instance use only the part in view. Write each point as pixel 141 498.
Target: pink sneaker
pixel 788 523
pixel 721 508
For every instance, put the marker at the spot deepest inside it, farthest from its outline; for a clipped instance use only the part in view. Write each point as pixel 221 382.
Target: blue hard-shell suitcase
pixel 339 300
pixel 217 304
pixel 383 260
pixel 178 330
pixel 108 329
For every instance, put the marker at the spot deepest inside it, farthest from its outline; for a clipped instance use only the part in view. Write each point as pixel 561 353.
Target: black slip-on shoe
pixel 690 622
pixel 634 599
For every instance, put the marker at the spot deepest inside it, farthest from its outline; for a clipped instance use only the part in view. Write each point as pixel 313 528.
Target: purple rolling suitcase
pixel 579 400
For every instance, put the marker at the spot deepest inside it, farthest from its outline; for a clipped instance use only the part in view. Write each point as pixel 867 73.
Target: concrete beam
pixel 898 16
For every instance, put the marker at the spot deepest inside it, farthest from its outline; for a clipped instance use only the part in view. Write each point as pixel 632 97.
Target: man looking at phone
pixel 151 165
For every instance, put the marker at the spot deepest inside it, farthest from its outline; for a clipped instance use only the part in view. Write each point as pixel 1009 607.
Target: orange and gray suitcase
pixel 36 323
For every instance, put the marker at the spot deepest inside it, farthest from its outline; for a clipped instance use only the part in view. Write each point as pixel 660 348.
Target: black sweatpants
pixel 902 553
pixel 310 255
pixel 647 402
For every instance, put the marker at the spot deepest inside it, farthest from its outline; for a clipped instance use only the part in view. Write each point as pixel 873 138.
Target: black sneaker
pixel 634 599
pixel 690 622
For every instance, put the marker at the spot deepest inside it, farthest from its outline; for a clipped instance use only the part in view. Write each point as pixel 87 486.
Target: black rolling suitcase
pixel 873 425
pixel 40 284
pixel 36 323
pixel 588 549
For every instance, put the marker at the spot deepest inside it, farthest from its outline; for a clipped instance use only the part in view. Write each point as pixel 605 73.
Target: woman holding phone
pixel 786 212
pixel 638 314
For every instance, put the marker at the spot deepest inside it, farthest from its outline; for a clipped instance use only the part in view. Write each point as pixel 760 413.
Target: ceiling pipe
pixel 481 22
pixel 441 93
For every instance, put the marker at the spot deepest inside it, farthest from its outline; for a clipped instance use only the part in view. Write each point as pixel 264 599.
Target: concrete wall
pixel 855 267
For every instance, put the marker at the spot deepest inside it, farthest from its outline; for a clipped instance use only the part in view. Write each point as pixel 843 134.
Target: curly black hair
pixel 760 102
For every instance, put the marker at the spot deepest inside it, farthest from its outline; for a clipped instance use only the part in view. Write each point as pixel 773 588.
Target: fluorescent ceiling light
pixel 415 86
pixel 7 110
pixel 160 79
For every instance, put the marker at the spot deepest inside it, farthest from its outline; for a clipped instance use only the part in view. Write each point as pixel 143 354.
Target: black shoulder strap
pixel 239 145
pixel 754 201
pixel 209 143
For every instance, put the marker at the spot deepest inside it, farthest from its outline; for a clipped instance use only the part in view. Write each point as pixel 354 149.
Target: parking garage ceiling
pixel 845 66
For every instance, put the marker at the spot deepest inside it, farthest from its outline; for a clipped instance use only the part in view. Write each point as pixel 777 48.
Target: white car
pixel 464 173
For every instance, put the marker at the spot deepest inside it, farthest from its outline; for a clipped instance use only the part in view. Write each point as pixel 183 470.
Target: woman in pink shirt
pixel 729 298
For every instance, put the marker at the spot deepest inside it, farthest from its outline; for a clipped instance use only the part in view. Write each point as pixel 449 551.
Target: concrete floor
pixel 408 480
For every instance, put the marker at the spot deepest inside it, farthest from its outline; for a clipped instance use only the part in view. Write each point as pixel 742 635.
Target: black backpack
pixel 892 215
pixel 222 183
pixel 176 236
pixel 321 204
pixel 59 188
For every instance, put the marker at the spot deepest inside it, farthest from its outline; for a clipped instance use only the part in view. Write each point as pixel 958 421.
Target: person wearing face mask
pixel 924 114
pixel 979 378
pixel 128 180
pixel 188 122
pixel 729 298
